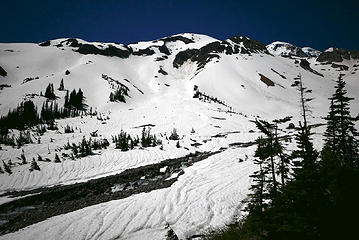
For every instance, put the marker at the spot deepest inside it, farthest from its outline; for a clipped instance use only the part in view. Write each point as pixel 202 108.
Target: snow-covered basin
pixel 208 195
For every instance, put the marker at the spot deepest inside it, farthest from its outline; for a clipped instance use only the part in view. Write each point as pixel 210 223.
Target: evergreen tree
pixel 305 153
pixel 24 116
pixel 122 141
pixel 76 100
pixel 341 136
pixel 7 168
pixel 61 87
pixel 268 149
pixel 72 98
pixel 57 158
pixel 34 165
pixel 23 158
pixel 79 100
pixel 66 104
pixel 174 135
pixel 258 195
pixel 284 163
pixel 49 92
pixel 146 137
pixel 68 129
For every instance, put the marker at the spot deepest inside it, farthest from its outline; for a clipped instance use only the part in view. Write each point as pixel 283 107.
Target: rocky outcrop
pixel 286 50
pixel 311 52
pixel 306 65
pixel 266 80
pixel 337 55
pixel 177 38
pixel 164 49
pixel 45 44
pixel 144 52
pixel 72 42
pixel 341 67
pixel 109 51
pixel 162 71
pixel 250 45
pixel 3 73
pixel 234 45
pixel 86 48
pixel 183 56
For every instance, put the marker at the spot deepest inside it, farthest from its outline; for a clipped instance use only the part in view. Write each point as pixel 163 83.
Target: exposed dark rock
pixel 67 72
pixel 293 50
pixel 266 80
pixel 144 52
pixel 2 86
pixel 219 47
pixel 72 42
pixel 341 67
pixel 203 55
pixel 145 126
pixel 282 76
pixel 109 51
pixel 250 44
pixel 183 56
pixel 305 65
pixel 171 235
pixel 177 38
pixel 161 58
pixel 337 55
pixel 88 49
pixel 162 71
pixel 28 79
pixel 354 54
pixel 3 73
pixel 164 49
pixel 45 44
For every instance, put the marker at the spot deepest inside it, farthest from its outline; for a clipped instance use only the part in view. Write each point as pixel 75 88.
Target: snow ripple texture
pixel 201 199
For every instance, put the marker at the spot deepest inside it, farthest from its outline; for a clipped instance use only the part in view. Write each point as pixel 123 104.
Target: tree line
pixel 305 193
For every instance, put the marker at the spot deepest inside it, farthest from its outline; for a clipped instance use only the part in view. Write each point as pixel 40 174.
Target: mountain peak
pixel 285 49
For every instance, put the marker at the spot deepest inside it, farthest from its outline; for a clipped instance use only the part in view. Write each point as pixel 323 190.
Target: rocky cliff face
pixel 337 55
pixel 286 50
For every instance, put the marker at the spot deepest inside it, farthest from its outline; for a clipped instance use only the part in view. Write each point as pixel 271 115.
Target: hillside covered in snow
pixel 164 130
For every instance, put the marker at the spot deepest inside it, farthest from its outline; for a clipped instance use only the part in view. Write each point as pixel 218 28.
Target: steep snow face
pixel 183 81
pixel 285 49
pixel 311 52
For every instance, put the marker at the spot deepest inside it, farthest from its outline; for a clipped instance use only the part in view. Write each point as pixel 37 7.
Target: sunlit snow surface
pixel 209 193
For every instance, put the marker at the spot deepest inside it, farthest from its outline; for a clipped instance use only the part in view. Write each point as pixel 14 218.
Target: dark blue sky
pixel 318 24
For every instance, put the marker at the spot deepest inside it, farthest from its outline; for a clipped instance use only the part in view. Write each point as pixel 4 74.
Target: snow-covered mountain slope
pixel 311 52
pixel 286 49
pixel 235 81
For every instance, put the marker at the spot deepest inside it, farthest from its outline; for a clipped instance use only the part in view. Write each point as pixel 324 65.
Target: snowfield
pixel 209 194
pixel 206 196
